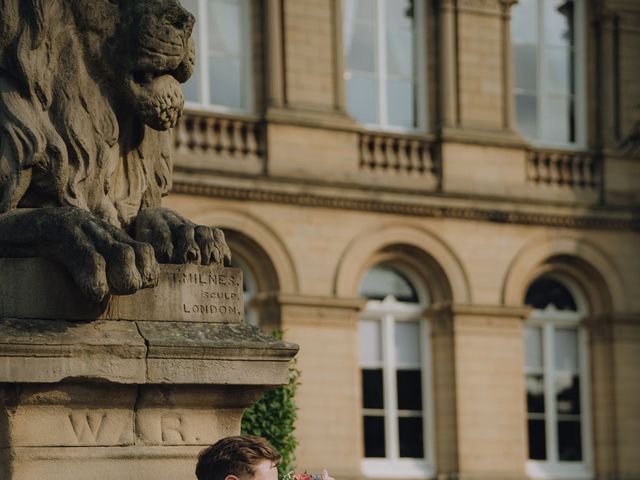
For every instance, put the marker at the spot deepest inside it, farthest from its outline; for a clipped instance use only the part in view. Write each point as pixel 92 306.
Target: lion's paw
pixel 102 258
pixel 179 241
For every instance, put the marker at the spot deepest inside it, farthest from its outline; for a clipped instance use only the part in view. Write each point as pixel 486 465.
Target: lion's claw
pixel 177 240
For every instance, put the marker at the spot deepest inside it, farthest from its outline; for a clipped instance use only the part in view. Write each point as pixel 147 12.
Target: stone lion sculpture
pixel 89 90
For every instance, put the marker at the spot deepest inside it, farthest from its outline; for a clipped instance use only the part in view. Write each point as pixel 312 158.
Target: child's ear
pixel 231 477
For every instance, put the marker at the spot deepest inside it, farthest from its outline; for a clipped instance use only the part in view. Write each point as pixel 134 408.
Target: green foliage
pixel 273 417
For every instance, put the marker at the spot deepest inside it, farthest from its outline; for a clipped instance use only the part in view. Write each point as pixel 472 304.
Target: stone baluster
pixel 418 155
pixel 577 172
pixel 237 141
pixel 533 172
pixel 404 160
pixel 181 134
pixel 252 139
pixel 564 164
pixel 208 134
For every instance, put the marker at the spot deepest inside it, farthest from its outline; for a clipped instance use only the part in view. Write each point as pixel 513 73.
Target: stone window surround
pixel 580 88
pixel 549 320
pixel 388 312
pixel 419 64
pixel 205 104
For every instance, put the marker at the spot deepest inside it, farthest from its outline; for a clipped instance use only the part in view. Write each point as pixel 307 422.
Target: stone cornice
pixel 582 221
pixel 353 304
pixel 472 310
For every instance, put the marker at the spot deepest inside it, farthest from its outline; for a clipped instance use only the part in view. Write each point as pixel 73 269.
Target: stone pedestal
pixel 133 388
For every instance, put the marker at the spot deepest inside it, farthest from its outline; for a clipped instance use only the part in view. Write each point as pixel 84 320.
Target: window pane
pixel 400 53
pixel 409 389
pixel 537 440
pixel 566 349
pixel 546 291
pixel 526 67
pixel 411 438
pixel 372 391
pixel 364 9
pixel 407 344
pixel 535 394
pixel 225 27
pixel 559 70
pixel 568 394
pixel 533 347
pixel 569 441
pixel 559 119
pixel 527 115
pixel 374 443
pixel 399 13
pixel 362 97
pixel 382 281
pixel 524 23
pixel 370 342
pixel 401 104
pixel 558 22
pixel 225 76
pixel 361 48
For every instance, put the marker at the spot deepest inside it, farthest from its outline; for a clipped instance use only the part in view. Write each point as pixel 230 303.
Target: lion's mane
pixel 63 141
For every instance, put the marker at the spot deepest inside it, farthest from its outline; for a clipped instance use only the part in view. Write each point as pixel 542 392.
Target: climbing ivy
pixel 274 416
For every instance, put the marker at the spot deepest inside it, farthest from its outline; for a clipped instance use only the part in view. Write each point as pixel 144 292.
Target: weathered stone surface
pixel 43 351
pixel 190 293
pixel 111 431
pixel 85 149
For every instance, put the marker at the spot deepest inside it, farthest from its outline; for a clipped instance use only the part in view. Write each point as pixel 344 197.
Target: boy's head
pixel 243 457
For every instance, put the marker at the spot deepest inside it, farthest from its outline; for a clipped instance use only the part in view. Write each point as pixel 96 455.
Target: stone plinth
pixel 135 397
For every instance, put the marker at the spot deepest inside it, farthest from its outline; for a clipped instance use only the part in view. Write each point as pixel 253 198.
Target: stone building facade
pixel 439 201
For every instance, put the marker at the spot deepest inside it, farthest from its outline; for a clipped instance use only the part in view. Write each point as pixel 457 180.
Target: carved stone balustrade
pixel 398 156
pixel 576 170
pixel 216 141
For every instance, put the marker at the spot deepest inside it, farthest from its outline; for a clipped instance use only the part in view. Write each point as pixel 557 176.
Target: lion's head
pixel 88 89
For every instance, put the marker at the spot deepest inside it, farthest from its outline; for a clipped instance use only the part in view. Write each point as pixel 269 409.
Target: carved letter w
pixel 87 426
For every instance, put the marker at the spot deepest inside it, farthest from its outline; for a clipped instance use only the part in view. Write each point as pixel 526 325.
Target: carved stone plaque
pixel 190 293
pixel 185 293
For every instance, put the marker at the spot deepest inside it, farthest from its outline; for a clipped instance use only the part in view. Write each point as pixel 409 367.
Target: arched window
pixel 394 361
pixel 259 278
pixel 249 289
pixel 556 371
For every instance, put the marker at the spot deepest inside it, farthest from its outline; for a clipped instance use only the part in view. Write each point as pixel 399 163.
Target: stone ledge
pixel 37 351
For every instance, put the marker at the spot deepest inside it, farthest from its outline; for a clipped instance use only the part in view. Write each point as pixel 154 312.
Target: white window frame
pixel 580 69
pixel 420 51
pixel 202 56
pixel 549 320
pixel 250 313
pixel 388 312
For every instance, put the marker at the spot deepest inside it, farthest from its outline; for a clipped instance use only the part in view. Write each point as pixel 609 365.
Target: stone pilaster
pixel 481 433
pixel 329 394
pixel 614 357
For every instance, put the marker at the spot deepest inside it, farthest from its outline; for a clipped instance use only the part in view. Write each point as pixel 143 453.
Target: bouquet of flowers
pixel 306 476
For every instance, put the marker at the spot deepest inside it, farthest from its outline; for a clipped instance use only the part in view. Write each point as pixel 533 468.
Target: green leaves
pixel 273 417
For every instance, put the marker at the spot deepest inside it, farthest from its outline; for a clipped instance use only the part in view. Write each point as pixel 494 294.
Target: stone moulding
pixel 627 223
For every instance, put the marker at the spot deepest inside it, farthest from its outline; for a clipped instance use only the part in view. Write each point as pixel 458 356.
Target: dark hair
pixel 234 456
